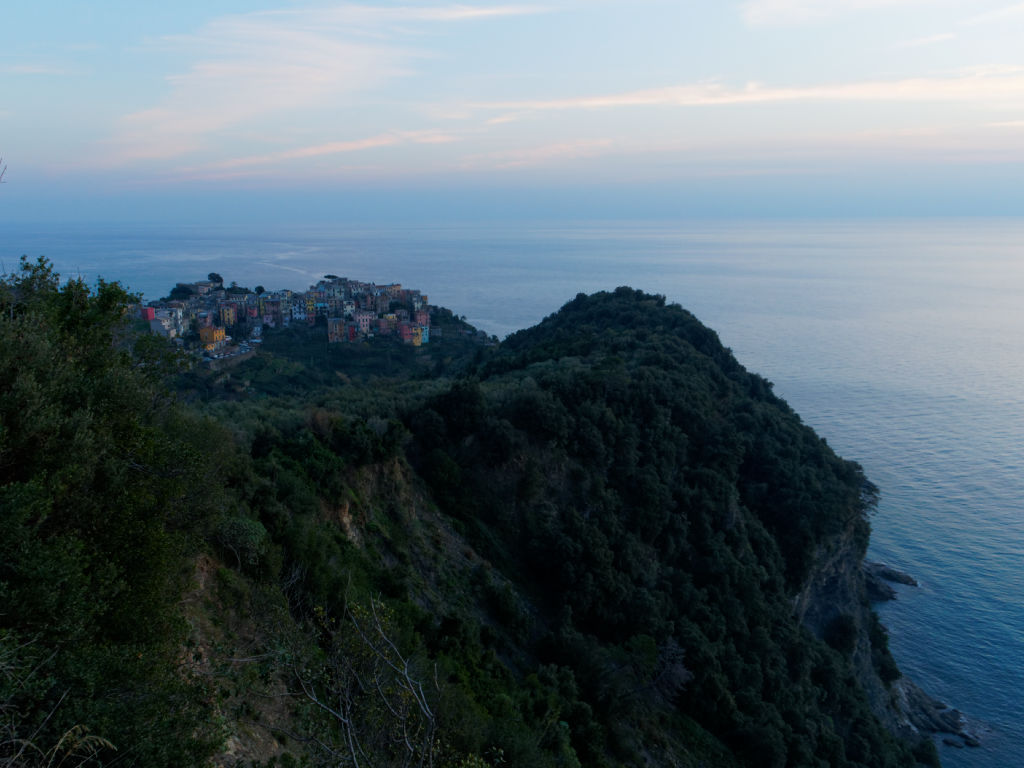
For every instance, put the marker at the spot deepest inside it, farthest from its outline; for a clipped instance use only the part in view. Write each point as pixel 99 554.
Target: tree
pixel 95 510
pixel 213 277
pixel 260 290
pixel 181 293
pixel 244 537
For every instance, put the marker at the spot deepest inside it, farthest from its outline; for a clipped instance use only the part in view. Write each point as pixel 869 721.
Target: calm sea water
pixel 901 342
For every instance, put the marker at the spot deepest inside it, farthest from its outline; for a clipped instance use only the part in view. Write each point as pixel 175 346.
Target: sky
pixel 248 110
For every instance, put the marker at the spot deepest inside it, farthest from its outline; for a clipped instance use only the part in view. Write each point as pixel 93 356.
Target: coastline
pixel 916 711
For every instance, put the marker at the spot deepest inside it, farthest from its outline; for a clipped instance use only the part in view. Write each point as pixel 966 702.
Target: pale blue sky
pixel 774 107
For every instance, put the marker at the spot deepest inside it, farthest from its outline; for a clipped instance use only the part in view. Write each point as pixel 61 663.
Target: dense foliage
pixel 578 548
pixel 95 496
pixel 652 497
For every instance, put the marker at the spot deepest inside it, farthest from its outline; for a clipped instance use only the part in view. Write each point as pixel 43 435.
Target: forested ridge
pixel 581 547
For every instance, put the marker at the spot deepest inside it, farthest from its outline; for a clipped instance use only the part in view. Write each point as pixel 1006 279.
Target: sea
pixel 900 341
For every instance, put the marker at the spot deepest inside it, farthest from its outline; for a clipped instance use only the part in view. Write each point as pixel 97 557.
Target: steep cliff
pixel 835 604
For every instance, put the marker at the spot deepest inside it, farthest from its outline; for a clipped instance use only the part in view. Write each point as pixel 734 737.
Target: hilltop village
pixel 224 321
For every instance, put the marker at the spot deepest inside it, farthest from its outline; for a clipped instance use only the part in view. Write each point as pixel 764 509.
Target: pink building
pixel 405 332
pixel 363 319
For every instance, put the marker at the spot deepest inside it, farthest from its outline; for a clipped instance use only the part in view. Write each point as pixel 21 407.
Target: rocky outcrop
pixel 883 571
pixel 920 714
pixel 878 590
pixel 841 587
pixel 877 577
pixel 835 586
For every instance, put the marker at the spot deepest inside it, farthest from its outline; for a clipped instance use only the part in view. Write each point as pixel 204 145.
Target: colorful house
pixel 363 318
pixel 336 330
pixel 228 315
pixel 212 338
pixel 405 332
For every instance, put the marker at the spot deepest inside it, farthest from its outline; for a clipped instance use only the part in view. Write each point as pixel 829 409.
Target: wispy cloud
pixel 275 64
pixel 997 87
pixel 252 70
pixel 788 12
pixel 365 14
pixel 319 150
pixel 334 148
pixel 512 117
pixel 918 42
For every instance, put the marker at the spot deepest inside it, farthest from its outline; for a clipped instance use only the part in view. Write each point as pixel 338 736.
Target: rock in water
pixel 882 571
pixel 878 590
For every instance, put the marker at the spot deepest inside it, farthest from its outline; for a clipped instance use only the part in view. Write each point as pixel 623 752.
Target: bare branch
pixel 379 712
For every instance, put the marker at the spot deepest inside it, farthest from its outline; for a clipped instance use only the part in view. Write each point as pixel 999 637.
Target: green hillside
pixel 583 547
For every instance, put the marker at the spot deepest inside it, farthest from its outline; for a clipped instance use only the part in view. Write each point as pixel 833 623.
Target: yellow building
pixel 211 337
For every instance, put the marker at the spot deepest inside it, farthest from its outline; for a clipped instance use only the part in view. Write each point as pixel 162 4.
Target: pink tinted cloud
pixel 275 64
pixel 1006 85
